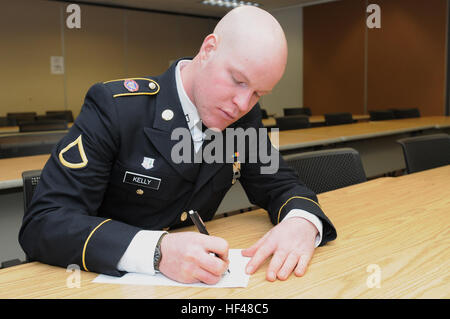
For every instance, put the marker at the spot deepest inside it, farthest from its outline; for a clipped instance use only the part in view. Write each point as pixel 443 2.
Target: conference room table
pixel 26 144
pixel 291 140
pixel 393 240
pixel 11 169
pixel 15 129
pixel 315 119
pixel 376 141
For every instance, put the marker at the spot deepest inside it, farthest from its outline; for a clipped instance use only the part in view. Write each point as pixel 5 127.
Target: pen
pixel 197 220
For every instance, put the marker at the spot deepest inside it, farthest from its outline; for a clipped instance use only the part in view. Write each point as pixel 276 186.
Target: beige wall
pixel 112 43
pixel 30 34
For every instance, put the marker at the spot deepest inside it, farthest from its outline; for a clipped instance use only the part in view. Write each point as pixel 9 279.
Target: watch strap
pixel 158 255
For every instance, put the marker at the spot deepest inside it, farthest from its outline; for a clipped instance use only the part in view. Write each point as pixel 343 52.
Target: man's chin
pixel 216 127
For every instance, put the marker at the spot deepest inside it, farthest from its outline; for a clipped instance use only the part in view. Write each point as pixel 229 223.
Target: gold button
pixel 183 216
pixel 139 191
pixel 152 85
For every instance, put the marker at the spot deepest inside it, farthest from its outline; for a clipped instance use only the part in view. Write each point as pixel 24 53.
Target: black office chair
pixel 29 144
pixel 425 152
pixel 338 118
pixel 10 263
pixel 16 118
pixel 381 115
pixel 264 114
pixel 43 125
pixel 297 111
pixel 4 121
pixel 60 115
pixel 327 170
pixel 292 122
pixel 30 180
pixel 406 113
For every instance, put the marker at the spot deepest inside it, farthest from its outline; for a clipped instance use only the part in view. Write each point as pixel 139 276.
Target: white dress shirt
pixel 139 255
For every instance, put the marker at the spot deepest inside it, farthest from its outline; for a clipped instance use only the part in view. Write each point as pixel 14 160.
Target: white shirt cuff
pixel 310 217
pixel 139 255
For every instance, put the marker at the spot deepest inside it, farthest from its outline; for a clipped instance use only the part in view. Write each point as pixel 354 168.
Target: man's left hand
pixel 291 243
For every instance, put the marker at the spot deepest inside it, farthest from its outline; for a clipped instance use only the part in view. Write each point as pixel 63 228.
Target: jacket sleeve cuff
pixel 138 257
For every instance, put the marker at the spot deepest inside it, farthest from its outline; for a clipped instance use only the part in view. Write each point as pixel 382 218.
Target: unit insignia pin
pixel 147 162
pixel 131 85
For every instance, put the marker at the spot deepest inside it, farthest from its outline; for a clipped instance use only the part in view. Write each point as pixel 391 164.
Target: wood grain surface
pixel 396 230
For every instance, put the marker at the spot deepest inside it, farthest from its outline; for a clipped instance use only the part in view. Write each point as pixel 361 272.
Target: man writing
pixel 90 209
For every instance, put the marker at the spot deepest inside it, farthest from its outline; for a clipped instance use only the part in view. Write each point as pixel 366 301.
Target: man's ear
pixel 209 46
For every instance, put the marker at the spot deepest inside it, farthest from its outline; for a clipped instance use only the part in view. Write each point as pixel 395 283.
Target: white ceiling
pixel 195 7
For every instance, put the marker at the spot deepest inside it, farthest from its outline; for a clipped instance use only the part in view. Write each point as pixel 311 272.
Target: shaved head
pixel 243 59
pixel 252 30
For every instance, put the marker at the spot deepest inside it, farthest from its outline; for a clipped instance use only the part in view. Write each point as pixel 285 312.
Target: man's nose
pixel 242 99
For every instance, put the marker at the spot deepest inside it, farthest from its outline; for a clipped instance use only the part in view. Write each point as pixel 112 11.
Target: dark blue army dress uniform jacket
pixel 95 193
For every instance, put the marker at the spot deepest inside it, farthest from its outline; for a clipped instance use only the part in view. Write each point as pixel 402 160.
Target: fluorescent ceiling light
pixel 230 3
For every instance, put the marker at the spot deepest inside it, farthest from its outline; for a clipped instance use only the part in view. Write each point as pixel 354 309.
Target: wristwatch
pixel 158 255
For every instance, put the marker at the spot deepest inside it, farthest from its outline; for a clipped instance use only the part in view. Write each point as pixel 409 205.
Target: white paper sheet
pixel 236 278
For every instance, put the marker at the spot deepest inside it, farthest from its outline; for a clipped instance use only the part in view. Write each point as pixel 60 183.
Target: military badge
pixel 147 162
pixel 131 85
pixel 77 146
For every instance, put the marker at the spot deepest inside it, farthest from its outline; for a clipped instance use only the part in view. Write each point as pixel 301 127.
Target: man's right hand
pixel 187 257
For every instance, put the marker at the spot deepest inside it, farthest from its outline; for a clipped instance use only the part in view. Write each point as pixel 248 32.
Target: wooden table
pixel 315 119
pixel 396 230
pixel 292 139
pixel 376 141
pixel 11 169
pixel 16 129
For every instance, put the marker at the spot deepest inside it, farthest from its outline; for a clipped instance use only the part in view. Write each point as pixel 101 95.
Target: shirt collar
pixel 189 109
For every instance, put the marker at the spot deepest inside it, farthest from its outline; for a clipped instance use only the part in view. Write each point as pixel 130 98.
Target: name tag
pixel 141 180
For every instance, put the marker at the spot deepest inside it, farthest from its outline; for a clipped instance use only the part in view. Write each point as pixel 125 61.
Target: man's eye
pixel 237 81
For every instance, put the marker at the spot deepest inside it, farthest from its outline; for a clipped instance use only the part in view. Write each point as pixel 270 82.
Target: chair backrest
pixel 338 118
pixel 61 115
pixel 326 170
pixel 17 145
pixel 297 111
pixel 30 180
pixel 425 152
pixel 264 114
pixel 43 125
pixel 406 113
pixel 16 118
pixel 381 115
pixel 4 121
pixel 292 122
